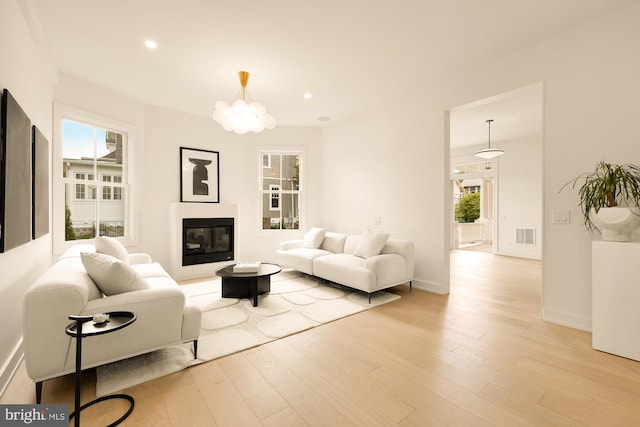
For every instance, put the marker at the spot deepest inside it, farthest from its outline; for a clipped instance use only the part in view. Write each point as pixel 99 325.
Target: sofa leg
pixel 195 349
pixel 410 286
pixel 369 297
pixel 38 392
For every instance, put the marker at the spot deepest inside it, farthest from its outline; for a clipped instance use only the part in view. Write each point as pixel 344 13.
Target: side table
pixel 82 327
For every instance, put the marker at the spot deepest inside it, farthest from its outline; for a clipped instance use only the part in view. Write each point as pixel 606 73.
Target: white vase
pixel 616 223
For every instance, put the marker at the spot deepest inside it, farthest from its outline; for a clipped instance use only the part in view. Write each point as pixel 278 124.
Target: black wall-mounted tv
pixel 15 174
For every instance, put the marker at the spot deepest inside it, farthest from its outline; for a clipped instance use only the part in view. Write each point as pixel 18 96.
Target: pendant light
pixel 242 117
pixel 489 153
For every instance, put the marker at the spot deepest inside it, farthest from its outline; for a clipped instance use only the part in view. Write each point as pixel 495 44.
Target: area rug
pixel 296 303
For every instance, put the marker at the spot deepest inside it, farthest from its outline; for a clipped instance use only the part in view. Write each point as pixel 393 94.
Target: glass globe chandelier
pixel 489 153
pixel 242 117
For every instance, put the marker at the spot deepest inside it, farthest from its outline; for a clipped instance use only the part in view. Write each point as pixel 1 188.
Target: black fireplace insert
pixel 206 240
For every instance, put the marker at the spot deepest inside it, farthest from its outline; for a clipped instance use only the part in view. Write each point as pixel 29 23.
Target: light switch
pixel 561 217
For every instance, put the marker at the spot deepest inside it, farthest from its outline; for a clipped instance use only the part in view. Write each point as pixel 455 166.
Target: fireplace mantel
pixel 179 211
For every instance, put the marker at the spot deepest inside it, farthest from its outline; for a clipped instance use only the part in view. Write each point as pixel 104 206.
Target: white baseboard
pixel 10 367
pixel 566 319
pixel 428 286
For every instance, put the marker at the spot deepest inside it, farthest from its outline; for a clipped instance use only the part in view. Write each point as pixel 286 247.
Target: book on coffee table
pixel 247 267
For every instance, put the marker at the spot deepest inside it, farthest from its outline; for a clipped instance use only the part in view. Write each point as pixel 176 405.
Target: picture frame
pixel 199 175
pixel 15 174
pixel 40 184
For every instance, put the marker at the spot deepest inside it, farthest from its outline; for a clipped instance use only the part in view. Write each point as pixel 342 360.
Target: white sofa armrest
pixel 390 269
pixel 291 244
pixel 159 321
pixel 139 258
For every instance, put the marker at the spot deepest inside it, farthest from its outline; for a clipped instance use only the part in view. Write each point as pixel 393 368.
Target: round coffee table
pixel 247 285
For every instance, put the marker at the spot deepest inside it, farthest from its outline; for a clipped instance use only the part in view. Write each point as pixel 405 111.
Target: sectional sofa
pixel 369 262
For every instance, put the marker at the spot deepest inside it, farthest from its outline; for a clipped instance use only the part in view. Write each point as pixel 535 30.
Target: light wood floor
pixel 480 356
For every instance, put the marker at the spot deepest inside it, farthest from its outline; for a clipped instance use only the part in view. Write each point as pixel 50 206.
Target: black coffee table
pixel 247 285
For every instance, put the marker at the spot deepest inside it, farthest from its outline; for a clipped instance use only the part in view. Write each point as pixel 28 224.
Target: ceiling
pixel 349 54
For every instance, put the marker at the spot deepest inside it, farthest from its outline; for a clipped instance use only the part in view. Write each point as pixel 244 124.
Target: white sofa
pixel 164 315
pixel 368 262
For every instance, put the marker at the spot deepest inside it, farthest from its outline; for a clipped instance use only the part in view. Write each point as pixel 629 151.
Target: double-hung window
pixel 92 170
pixel 281 190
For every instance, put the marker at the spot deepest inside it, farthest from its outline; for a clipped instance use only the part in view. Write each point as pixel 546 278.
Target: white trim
pixel 11 367
pixel 60 112
pixel 567 319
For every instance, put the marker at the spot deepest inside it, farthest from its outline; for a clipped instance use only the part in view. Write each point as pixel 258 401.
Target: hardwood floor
pixel 480 356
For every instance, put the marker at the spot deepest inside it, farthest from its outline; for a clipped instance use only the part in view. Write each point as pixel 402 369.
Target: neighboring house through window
pixel 91 168
pixel 281 190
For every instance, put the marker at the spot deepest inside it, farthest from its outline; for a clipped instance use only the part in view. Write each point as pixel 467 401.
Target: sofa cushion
pixel 314 237
pixel 112 275
pixel 110 246
pixel 300 259
pixel 371 244
pixel 334 242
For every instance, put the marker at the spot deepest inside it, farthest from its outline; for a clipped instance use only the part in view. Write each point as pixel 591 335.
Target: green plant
pixel 609 185
pixel 69 232
pixel 468 208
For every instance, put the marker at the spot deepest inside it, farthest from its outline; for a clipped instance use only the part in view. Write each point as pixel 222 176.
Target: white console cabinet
pixel 616 298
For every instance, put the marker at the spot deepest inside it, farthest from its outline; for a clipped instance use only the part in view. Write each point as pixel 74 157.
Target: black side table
pixel 83 326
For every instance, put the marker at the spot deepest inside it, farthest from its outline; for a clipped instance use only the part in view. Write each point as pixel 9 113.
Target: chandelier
pixel 242 117
pixel 489 153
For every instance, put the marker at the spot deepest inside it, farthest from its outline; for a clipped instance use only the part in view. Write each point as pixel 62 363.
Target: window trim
pixel 65 112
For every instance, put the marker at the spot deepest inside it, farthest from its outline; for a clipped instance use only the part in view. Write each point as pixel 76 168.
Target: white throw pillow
pixel 110 246
pixel 314 237
pixel 371 244
pixel 111 275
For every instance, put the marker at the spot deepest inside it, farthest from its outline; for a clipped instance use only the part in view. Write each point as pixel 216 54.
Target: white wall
pixel 393 159
pixel 26 74
pixel 388 163
pixel 167 131
pixel 519 196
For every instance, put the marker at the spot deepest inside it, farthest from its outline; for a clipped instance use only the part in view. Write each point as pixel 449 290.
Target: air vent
pixel 526 236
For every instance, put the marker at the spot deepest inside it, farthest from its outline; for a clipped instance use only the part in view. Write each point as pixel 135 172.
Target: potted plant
pixel 609 199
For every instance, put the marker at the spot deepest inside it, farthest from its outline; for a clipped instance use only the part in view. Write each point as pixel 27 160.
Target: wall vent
pixel 525 236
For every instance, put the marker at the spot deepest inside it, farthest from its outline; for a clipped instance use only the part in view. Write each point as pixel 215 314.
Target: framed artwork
pixel 39 184
pixel 199 175
pixel 15 174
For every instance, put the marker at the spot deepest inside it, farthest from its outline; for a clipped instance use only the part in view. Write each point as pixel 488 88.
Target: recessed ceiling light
pixel 308 96
pixel 150 44
pixel 324 119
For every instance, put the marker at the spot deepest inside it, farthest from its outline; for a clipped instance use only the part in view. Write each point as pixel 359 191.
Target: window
pixel 92 164
pixel 280 185
pixel 275 197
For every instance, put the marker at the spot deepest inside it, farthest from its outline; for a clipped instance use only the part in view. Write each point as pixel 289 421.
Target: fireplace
pixel 206 240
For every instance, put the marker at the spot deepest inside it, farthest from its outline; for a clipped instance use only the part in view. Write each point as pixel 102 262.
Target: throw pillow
pixel 110 246
pixel 371 244
pixel 314 237
pixel 111 275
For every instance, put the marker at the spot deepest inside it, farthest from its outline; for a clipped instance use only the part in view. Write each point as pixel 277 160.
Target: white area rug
pixel 296 303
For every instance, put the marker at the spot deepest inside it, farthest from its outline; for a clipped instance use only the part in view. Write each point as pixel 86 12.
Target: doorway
pixel 513 181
